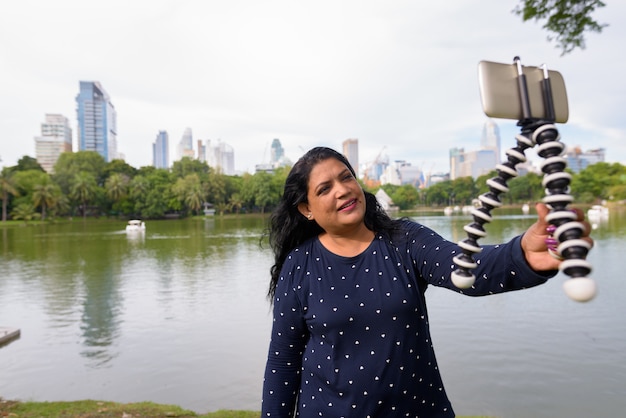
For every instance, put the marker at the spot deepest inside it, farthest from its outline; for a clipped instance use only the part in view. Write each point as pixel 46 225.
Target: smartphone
pixel 500 95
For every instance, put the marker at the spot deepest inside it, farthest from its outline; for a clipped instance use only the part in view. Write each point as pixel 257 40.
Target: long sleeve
pixel 501 268
pixel 284 362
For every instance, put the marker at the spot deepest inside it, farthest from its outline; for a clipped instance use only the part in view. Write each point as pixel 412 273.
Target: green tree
pixel 61 204
pixel 27 163
pixel 405 196
pixel 186 166
pixel 8 187
pixel 83 189
pixel 439 194
pixel 526 188
pixel 26 181
pixel 116 186
pixel 263 196
pixel 596 181
pixel 119 167
pixel 150 193
pixel 618 192
pixel 568 20
pixel 138 186
pixel 258 191
pixel 463 190
pixel 189 191
pixel 215 187
pixel 159 198
pixel 116 189
pixel 69 164
pixel 235 203
pixel 45 195
pixel 25 211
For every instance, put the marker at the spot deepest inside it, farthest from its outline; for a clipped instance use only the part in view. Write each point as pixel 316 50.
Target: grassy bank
pixel 100 409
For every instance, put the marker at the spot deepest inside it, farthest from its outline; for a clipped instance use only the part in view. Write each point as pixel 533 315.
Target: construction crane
pixel 367 181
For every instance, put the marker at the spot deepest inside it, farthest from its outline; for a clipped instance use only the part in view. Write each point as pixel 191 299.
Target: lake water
pixel 179 315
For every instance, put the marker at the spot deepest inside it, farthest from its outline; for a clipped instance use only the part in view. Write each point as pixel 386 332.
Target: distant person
pixel 350 333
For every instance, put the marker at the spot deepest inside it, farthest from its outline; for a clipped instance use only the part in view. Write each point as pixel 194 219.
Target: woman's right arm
pixel 284 359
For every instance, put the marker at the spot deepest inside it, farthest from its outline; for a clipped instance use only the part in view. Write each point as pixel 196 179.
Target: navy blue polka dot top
pixel 350 335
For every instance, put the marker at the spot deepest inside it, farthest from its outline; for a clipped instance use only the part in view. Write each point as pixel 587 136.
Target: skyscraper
pixel 97 121
pixel 351 152
pixel 56 137
pixel 161 150
pixel 490 139
pixel 221 157
pixel 477 163
pixel 201 151
pixel 277 152
pixel 185 146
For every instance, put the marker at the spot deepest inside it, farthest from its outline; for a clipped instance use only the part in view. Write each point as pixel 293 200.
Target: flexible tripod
pixel 566 231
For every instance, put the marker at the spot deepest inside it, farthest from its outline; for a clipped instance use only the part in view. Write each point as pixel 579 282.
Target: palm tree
pixel 138 186
pixel 44 195
pixel 25 211
pixel 116 186
pixel 189 191
pixel 61 204
pixel 235 202
pixel 83 189
pixel 7 186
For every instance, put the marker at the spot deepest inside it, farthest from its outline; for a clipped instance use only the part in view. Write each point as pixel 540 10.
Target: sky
pixel 400 76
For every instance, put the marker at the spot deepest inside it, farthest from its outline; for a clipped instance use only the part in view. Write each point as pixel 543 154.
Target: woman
pixel 350 335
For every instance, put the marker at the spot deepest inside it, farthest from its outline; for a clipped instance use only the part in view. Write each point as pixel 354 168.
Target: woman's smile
pixel 348 206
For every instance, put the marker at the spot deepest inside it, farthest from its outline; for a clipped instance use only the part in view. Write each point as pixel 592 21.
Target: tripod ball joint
pixel 580 289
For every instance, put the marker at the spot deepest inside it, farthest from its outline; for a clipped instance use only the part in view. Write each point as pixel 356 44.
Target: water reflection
pixel 184 308
pixel 102 307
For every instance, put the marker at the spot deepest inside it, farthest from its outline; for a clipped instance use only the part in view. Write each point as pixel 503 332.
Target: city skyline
pixel 400 75
pixel 480 157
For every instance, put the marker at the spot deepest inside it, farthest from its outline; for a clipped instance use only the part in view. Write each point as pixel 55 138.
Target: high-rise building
pixel 97 121
pixel 221 157
pixel 277 156
pixel 56 138
pixel 201 151
pixel 477 163
pixel 401 172
pixel 491 139
pixel 471 163
pixel 351 152
pixel 578 160
pixel 457 156
pixel 161 150
pixel 185 146
pixel 277 152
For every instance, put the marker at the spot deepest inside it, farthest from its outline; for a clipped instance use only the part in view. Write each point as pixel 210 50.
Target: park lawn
pixel 101 409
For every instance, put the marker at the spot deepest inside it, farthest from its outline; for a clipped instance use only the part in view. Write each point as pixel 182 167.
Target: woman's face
pixel 335 198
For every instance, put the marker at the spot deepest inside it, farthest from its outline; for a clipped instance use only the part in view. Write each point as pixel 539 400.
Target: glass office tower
pixel 97 121
pixel 161 150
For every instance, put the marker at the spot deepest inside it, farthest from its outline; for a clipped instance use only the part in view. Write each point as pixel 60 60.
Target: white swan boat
pixel 135 225
pixel 598 212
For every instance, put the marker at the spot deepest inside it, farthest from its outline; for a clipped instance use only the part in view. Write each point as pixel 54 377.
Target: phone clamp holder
pixel 572 249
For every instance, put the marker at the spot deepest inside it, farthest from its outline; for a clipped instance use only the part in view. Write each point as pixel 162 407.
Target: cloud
pixel 400 75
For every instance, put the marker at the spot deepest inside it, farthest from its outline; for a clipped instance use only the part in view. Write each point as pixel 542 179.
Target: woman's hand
pixel 534 240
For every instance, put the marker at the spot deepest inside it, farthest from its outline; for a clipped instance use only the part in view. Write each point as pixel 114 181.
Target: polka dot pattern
pixel 350 335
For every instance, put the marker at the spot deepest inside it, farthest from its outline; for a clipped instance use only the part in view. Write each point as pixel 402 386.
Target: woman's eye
pixel 322 190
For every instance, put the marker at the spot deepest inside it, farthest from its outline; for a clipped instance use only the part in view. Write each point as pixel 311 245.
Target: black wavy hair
pixel 288 228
